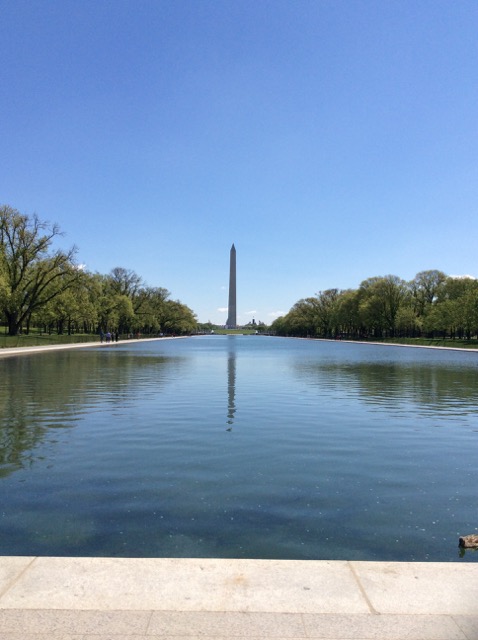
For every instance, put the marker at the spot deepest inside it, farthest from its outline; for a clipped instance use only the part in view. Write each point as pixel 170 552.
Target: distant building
pixel 232 310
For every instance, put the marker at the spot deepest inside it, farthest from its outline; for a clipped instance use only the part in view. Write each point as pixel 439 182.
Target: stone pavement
pixel 24 351
pixel 183 599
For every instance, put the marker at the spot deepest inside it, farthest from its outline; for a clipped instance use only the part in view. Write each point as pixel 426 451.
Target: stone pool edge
pixel 190 597
pixel 19 351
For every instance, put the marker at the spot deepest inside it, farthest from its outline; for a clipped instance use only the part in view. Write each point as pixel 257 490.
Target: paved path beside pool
pixel 183 599
pixel 22 351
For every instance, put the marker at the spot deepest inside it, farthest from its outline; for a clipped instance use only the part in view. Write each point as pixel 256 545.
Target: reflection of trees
pixel 47 391
pixel 431 387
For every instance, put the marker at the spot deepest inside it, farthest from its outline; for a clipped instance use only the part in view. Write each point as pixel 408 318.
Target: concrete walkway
pixel 23 351
pixel 139 599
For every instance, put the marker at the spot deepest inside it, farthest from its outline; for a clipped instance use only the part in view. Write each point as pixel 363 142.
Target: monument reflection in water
pixel 231 382
pixel 239 446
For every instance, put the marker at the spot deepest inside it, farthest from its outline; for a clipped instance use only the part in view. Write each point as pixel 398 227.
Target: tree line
pixel 44 288
pixel 432 305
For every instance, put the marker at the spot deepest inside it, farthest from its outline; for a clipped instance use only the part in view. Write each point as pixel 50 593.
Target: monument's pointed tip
pixel 233 247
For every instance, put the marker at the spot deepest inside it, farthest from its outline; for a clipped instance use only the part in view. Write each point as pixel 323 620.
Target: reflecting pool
pixel 240 446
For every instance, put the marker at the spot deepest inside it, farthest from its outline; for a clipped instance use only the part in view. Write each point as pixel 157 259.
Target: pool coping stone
pixel 139 598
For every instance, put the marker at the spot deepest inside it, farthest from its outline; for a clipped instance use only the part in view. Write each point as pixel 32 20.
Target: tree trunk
pixel 13 324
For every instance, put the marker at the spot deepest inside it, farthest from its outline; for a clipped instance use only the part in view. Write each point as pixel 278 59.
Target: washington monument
pixel 231 311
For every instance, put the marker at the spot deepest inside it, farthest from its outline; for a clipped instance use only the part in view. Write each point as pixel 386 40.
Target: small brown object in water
pixel 468 542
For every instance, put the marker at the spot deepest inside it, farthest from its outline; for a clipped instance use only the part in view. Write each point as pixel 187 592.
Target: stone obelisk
pixel 232 313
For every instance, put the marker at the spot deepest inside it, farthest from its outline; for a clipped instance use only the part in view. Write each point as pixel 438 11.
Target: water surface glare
pixel 240 446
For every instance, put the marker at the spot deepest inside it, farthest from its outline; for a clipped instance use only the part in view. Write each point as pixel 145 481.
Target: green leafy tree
pixel 441 319
pixel 381 299
pixel 60 313
pixel 278 326
pixel 425 287
pixel 407 322
pixel 178 318
pixel 31 273
pixel 125 282
pixel 74 310
pixel 151 308
pixel 300 321
pixel 461 294
pixel 116 313
pixel 326 312
pixel 348 315
pixel 469 309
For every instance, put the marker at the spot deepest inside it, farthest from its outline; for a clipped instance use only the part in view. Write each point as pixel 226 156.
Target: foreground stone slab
pixel 47 621
pixel 167 598
pixel 226 624
pixel 469 625
pixel 95 625
pixel 382 627
pixel 186 584
pixel 419 587
pixel 11 568
pixel 323 626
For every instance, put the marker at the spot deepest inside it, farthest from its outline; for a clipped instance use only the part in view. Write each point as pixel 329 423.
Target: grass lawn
pixel 35 339
pixel 434 342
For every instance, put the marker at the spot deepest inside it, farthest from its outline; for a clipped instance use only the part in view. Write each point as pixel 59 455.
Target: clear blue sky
pixel 331 141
